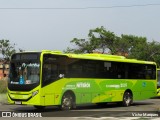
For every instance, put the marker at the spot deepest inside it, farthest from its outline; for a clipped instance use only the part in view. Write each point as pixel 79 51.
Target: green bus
pixel 49 78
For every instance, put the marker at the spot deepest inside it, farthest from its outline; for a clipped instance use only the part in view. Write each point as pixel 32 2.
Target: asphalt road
pixel 146 108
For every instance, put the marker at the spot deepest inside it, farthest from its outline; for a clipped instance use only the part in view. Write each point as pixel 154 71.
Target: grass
pixel 3 91
pixel 3 86
pixel 3 98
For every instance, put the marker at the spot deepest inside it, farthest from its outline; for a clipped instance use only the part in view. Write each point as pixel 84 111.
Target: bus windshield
pixel 24 73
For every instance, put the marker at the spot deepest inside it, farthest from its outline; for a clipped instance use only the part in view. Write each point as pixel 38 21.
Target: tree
pixel 134 46
pixel 6 49
pixel 103 40
pixel 82 45
pixel 130 46
pixel 98 40
pixel 153 52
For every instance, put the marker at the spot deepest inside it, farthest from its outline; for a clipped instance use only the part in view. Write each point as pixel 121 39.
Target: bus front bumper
pixel 24 98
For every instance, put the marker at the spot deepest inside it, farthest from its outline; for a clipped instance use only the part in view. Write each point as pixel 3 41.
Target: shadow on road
pixel 79 107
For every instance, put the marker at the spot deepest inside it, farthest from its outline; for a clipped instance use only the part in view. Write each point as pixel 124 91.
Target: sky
pixel 35 25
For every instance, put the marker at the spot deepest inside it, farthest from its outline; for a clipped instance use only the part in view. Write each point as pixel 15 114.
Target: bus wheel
pixel 68 101
pixel 39 107
pixel 127 99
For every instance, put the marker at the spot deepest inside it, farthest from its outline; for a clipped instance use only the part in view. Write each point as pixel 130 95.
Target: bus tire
pixel 68 101
pixel 127 99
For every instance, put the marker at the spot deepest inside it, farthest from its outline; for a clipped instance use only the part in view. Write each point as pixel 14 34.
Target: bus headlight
pixel 35 93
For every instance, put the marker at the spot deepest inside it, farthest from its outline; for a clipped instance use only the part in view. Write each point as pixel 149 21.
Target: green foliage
pixel 3 98
pixel 3 86
pixel 6 49
pixel 104 41
pixel 134 46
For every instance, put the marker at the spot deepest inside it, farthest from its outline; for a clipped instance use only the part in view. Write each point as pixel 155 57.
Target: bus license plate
pixel 18 102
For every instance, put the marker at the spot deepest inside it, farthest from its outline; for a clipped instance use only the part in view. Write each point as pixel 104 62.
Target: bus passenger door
pixel 49 75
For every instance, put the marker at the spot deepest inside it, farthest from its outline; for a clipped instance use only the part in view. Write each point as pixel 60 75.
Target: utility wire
pixel 107 7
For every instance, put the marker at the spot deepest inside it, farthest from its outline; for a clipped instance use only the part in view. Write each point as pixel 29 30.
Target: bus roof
pixel 94 56
pixel 97 56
